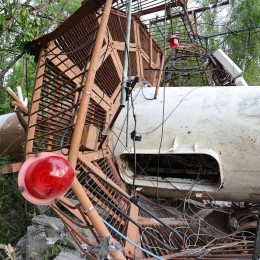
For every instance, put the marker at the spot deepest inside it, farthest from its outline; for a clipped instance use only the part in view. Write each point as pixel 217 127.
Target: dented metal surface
pixel 220 122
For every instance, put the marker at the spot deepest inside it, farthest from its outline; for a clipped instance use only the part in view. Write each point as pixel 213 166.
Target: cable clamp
pixel 135 137
pixel 104 248
pixel 88 210
pixel 135 199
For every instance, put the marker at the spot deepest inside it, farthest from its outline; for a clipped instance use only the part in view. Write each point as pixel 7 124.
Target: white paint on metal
pixel 227 63
pixel 241 82
pixel 20 96
pixel 223 122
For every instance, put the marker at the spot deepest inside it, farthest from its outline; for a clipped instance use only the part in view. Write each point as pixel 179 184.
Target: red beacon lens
pixel 46 178
pixel 174 42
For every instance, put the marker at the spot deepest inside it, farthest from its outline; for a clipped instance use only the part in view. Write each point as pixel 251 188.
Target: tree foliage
pixel 244 46
pixel 15 211
pixel 21 22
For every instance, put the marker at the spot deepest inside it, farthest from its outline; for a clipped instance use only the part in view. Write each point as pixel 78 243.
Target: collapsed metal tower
pixel 75 101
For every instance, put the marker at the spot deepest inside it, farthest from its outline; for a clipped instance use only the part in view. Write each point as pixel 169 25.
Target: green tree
pixel 245 46
pixel 21 22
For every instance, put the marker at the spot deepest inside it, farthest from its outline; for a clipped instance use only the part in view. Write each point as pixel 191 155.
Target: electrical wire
pixel 88 40
pixel 126 216
pixel 121 129
pixel 62 139
pixel 154 247
pixel 153 130
pixel 145 96
pixel 204 64
pixel 130 241
pixel 231 32
pixel 134 140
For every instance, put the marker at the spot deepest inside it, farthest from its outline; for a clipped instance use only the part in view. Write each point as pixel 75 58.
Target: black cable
pixel 108 43
pixel 121 129
pixel 127 122
pixel 145 133
pixel 89 39
pixel 145 96
pixel 139 206
pixel 132 220
pixel 134 139
pixel 163 113
pixel 190 69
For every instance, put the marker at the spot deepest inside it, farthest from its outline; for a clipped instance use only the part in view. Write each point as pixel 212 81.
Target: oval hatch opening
pixel 182 168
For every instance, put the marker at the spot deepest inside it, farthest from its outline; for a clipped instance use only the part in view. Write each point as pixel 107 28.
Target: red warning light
pixel 174 42
pixel 44 178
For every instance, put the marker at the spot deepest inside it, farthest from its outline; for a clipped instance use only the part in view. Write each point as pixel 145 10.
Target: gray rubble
pixel 45 233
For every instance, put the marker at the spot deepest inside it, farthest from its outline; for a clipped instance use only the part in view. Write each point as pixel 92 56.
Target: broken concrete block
pixel 36 243
pixel 68 256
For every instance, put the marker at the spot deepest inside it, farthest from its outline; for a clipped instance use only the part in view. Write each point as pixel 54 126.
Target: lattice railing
pixel 114 206
pixel 63 68
pixel 61 75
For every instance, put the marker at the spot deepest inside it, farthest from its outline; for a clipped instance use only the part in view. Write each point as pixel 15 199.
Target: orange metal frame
pixel 77 85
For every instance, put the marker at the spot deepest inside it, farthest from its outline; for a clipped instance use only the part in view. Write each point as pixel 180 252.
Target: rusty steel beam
pixel 156 9
pixel 145 221
pixel 199 10
pixel 35 105
pixel 16 101
pixel 159 78
pixel 22 121
pixel 196 252
pixel 20 107
pixel 10 168
pixel 77 188
pixel 89 7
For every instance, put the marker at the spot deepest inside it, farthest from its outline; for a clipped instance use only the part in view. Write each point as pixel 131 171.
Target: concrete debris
pixel 55 228
pixel 45 233
pixel 36 242
pixel 21 247
pixel 68 256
